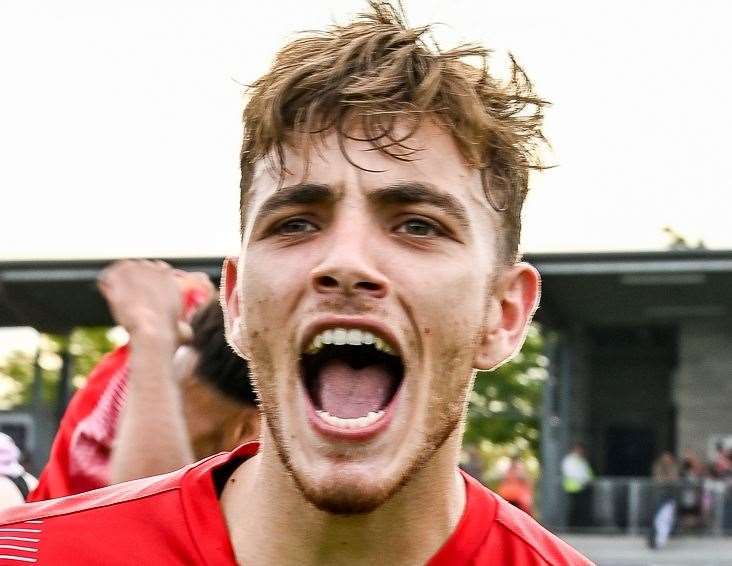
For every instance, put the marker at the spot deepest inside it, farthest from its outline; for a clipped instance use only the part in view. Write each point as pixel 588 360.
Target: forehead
pixel 437 160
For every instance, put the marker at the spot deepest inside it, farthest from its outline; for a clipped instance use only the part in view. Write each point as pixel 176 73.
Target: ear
pixel 230 304
pixel 246 427
pixel 510 311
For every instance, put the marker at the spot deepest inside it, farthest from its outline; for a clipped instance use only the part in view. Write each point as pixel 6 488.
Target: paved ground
pixel 632 551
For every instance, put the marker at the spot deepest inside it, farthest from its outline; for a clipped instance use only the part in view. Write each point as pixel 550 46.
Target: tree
pixel 503 416
pixel 87 346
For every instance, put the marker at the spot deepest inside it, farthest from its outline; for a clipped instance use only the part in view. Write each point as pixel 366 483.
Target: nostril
pixel 368 286
pixel 348 284
pixel 326 281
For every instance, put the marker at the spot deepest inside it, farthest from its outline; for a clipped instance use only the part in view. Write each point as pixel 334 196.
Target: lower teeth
pixel 359 422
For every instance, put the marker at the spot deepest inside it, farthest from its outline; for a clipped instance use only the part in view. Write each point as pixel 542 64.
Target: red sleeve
pixel 56 480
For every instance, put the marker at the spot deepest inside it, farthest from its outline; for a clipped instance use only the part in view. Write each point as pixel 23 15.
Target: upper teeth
pixel 347 336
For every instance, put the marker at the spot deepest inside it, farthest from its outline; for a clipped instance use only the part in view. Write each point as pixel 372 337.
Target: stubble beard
pixel 351 498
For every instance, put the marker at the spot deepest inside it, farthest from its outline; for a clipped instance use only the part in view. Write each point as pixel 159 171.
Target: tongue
pixel 351 393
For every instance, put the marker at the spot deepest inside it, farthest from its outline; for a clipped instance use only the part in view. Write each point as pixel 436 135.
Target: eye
pixel 295 226
pixel 419 227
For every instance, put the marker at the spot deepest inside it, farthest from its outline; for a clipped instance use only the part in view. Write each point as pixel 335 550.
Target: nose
pixel 347 266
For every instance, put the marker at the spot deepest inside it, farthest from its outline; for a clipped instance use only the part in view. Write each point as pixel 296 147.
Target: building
pixel 642 362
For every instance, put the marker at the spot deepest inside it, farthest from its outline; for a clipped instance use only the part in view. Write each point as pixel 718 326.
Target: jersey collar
pixel 211 537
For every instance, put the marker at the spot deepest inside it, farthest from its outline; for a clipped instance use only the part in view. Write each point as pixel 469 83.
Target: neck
pixel 261 499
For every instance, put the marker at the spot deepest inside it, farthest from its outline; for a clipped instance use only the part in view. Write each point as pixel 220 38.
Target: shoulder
pixel 492 531
pixel 143 521
pixel 154 520
pixel 94 501
pixel 525 542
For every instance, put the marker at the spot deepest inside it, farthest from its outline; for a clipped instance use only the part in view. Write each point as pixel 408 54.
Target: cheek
pixel 451 299
pixel 272 288
pixel 451 316
pixel 273 281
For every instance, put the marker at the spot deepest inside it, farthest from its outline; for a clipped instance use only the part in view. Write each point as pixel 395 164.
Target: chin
pixel 347 497
pixel 350 488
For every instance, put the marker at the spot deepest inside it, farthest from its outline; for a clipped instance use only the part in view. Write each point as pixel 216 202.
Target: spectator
pixel 576 480
pixel 665 469
pixel 665 475
pixel 517 487
pixel 15 482
pixel 690 491
pixel 722 463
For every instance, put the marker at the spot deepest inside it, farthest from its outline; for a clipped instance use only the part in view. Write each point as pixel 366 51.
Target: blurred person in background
pixel 577 479
pixel 665 469
pixel 665 475
pixel 472 462
pixel 516 486
pixel 174 394
pixel 721 466
pixel 690 498
pixel 15 482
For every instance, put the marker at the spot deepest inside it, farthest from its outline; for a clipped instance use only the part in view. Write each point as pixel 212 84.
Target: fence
pixel 627 505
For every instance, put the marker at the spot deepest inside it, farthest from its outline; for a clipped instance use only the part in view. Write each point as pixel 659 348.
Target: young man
pixel 381 188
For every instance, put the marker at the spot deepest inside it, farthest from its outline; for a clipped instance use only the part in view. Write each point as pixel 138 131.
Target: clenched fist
pixel 146 296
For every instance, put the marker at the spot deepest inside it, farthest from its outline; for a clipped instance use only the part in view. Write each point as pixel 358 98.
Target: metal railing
pixel 627 505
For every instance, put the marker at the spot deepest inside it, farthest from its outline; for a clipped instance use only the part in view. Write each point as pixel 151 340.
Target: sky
pixel 120 121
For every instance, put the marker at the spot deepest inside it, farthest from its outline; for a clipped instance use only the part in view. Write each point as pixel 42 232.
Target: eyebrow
pixel 395 194
pixel 302 193
pixel 420 193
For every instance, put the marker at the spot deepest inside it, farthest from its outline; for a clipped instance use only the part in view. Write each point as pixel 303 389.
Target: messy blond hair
pixel 367 74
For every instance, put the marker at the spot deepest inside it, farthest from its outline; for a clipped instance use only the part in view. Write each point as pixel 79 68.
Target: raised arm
pixel 145 298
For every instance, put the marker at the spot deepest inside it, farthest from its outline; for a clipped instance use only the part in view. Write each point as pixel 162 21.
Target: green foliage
pixel 503 417
pixel 16 379
pixel 87 345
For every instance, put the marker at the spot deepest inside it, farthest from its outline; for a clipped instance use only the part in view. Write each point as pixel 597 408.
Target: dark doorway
pixel 629 451
pixel 631 407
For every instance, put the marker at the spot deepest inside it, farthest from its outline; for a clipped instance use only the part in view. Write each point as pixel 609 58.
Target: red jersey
pixel 175 519
pixel 78 459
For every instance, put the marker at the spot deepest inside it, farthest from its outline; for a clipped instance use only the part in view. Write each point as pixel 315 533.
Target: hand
pixel 145 296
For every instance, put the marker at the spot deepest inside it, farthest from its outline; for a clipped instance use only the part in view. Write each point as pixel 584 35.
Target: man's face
pixel 364 299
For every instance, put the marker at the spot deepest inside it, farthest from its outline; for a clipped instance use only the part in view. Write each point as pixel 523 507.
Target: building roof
pixel 635 288
pixel 578 288
pixel 57 295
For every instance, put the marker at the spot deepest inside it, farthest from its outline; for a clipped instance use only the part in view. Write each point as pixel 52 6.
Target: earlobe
pixel 509 316
pixel 229 294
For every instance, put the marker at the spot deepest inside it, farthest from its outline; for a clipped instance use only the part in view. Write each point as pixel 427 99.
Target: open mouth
pixel 351 377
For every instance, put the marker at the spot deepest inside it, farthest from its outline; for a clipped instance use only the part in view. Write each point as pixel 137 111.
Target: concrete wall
pixel 580 421
pixel 703 384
